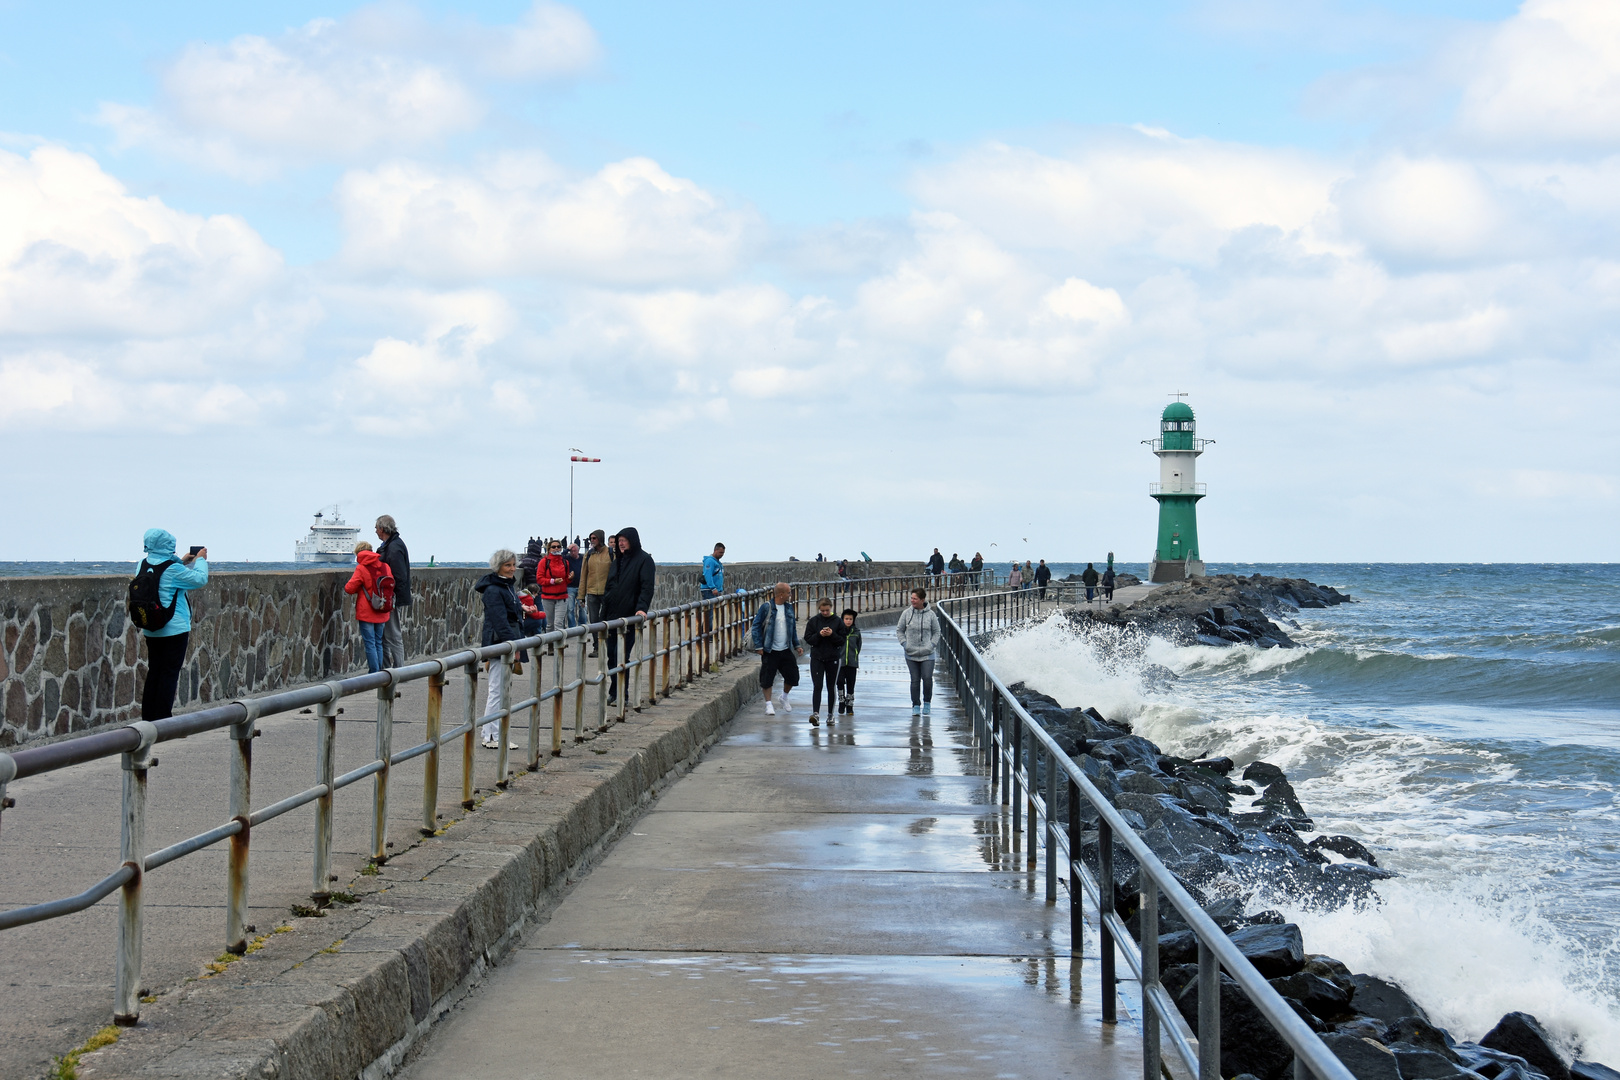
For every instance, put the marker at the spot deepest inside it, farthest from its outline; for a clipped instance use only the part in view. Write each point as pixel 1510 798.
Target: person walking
pixel 1015 577
pixel 551 574
pixel 158 605
pixel 1028 575
pixel 936 565
pixel 1043 574
pixel 597 564
pixel 1108 582
pixel 503 619
pixel 918 631
pixel 629 592
pixel 713 583
pixel 393 552
pixel 1088 578
pixel 373 587
pixel 774 634
pixel 576 566
pixel 824 633
pixel 849 661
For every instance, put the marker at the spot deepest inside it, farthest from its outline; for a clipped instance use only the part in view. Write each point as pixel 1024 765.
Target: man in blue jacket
pixel 776 639
pixel 166 646
pixel 714 582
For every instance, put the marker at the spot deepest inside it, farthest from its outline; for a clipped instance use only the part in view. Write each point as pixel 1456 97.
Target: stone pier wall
pixel 70 660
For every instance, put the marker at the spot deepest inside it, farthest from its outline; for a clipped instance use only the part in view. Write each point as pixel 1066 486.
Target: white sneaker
pixel 785 706
pixel 491 744
pixel 770 710
pixel 514 746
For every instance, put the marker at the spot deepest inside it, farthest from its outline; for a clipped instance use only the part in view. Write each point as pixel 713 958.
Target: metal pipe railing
pixel 1011 741
pixel 674 647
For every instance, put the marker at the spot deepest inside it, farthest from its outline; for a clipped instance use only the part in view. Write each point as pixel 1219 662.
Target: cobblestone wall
pixel 71 661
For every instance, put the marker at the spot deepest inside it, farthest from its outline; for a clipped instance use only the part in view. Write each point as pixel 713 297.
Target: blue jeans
pixel 575 612
pixel 371 635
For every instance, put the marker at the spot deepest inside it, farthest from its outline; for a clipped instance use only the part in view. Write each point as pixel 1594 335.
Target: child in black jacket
pixel 824 633
pixel 849 659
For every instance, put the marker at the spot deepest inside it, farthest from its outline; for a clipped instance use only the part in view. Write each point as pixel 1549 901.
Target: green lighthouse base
pixel 1163 570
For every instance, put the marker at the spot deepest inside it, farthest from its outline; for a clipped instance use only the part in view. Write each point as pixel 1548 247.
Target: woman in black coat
pixel 503 621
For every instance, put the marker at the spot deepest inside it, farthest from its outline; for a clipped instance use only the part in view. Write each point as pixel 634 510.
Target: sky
pixel 828 277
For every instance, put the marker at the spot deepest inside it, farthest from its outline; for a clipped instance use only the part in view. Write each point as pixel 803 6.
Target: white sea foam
pixel 1465 948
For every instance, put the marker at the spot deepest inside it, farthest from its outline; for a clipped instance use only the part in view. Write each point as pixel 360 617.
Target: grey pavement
pixel 57 976
pixel 808 902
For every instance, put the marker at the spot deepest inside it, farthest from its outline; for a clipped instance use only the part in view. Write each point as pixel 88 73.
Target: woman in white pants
pixel 503 621
pixel 918 631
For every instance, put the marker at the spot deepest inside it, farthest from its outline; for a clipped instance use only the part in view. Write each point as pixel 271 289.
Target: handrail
pixel 1011 740
pixel 702 633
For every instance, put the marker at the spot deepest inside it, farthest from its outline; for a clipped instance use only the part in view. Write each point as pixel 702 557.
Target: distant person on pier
pixel 1015 577
pixel 373 587
pixel 551 574
pixel 843 569
pixel 849 661
pixel 1108 583
pixel 503 621
pixel 629 592
pixel 597 564
pixel 1029 575
pixel 824 633
pixel 393 553
pixel 977 566
pixel 576 568
pixel 774 634
pixel 713 583
pixel 918 631
pixel 1088 578
pixel 158 605
pixel 936 565
pixel 1043 574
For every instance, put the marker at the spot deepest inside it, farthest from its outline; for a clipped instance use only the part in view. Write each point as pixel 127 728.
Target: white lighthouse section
pixel 1178 471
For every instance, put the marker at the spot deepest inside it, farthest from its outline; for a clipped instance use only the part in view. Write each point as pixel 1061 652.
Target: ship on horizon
pixel 330 540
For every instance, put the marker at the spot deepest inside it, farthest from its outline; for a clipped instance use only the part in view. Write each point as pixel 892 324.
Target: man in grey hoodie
pixel 918 631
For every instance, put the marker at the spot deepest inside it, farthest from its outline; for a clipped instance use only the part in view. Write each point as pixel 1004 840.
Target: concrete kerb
pixel 348 994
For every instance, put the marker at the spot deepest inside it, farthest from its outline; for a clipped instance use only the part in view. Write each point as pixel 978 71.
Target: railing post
pixel 1209 1013
pixel 992 745
pixel 241 807
pixel 379 787
pixel 535 684
pixel 1148 914
pixel 430 765
pixel 132 849
pixel 325 774
pixel 503 672
pixel 579 702
pixel 1077 913
pixel 559 675
pixel 666 640
pixel 1015 757
pixel 1105 908
pixel 1032 774
pixel 467 741
pixel 1051 827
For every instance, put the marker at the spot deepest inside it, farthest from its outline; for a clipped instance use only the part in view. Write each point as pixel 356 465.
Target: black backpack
pixel 144 610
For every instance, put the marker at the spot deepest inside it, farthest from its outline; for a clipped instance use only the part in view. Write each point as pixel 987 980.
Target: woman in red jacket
pixel 372 584
pixel 553 577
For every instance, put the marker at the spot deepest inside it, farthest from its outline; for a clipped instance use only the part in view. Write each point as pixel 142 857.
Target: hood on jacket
pixel 371 562
pixel 159 544
pixel 492 578
pixel 635 540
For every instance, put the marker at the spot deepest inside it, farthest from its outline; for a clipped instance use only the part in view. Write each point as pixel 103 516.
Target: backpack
pixel 144 610
pixel 382 600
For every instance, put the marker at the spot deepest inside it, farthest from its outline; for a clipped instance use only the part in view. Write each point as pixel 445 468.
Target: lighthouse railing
pixel 1036 779
pixel 1178 489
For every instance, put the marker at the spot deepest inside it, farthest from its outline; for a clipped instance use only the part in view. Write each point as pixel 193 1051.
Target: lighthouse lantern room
pixel 1177 554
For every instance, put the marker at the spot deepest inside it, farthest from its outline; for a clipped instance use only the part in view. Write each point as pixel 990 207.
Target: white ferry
pixel 330 540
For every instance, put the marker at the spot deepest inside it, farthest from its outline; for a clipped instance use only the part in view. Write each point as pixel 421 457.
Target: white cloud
pixel 383 80
pixel 1548 75
pixel 522 216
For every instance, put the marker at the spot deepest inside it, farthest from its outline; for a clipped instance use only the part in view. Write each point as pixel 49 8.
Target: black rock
pixel 1143 783
pixel 1249 1044
pixel 1591 1070
pixel 1344 845
pixel 1280 794
pixel 1522 1035
pixel 1417 1064
pixel 1496 1064
pixel 1366 1060
pixel 1263 773
pixel 1321 997
pixel 1325 966
pixel 1382 1000
pixel 1418 1034
pixel 1220 766
pixel 1178 949
pixel 1133 751
pixel 1275 951
pixel 1267 917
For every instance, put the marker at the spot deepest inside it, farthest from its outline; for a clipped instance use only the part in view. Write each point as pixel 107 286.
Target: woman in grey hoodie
pixel 918 631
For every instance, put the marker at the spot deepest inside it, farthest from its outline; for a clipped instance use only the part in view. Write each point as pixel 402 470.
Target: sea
pixel 1462 721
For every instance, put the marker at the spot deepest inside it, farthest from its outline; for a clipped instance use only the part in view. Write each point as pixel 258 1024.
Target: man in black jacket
pixel 629 592
pixel 392 551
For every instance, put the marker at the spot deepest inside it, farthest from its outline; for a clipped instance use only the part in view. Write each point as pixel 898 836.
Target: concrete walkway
pixel 808 902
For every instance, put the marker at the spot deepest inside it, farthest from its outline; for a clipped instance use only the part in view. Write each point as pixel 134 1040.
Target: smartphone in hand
pixel 194 549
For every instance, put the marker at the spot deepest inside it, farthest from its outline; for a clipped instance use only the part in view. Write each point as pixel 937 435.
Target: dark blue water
pixel 1464 721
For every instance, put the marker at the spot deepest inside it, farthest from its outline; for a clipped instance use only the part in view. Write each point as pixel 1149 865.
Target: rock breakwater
pixel 1232 834
pixel 1223 609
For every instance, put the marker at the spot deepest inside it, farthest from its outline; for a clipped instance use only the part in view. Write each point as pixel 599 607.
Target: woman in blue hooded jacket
pixel 166 646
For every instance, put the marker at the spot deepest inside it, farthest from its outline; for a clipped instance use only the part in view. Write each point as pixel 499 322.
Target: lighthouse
pixel 1177 554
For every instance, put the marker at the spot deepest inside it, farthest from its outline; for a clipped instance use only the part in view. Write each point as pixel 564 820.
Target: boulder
pixel 1147 806
pixel 1496 1064
pixel 1280 794
pixel 1249 1044
pixel 1220 766
pixel 1275 951
pixel 1416 1064
pixel 1366 1059
pixel 1143 783
pixel 1522 1035
pixel 1382 1000
pixel 1133 751
pixel 1321 997
pixel 1591 1070
pixel 1346 846
pixel 1416 1033
pixel 1263 773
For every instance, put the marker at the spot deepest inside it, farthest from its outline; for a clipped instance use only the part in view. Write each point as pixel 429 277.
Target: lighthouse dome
pixel 1178 410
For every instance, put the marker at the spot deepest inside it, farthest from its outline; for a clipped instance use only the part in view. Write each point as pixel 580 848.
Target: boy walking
pixel 849 661
pixel 824 633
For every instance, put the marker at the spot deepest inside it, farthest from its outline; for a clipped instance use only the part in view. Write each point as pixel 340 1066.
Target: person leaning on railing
pixel 629 591
pixel 714 582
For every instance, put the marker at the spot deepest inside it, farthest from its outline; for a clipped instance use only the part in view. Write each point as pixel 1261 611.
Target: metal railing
pixel 1013 744
pixel 1178 489
pixel 1197 446
pixel 674 646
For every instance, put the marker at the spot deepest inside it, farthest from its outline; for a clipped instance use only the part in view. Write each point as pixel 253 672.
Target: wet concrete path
pixel 808 902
